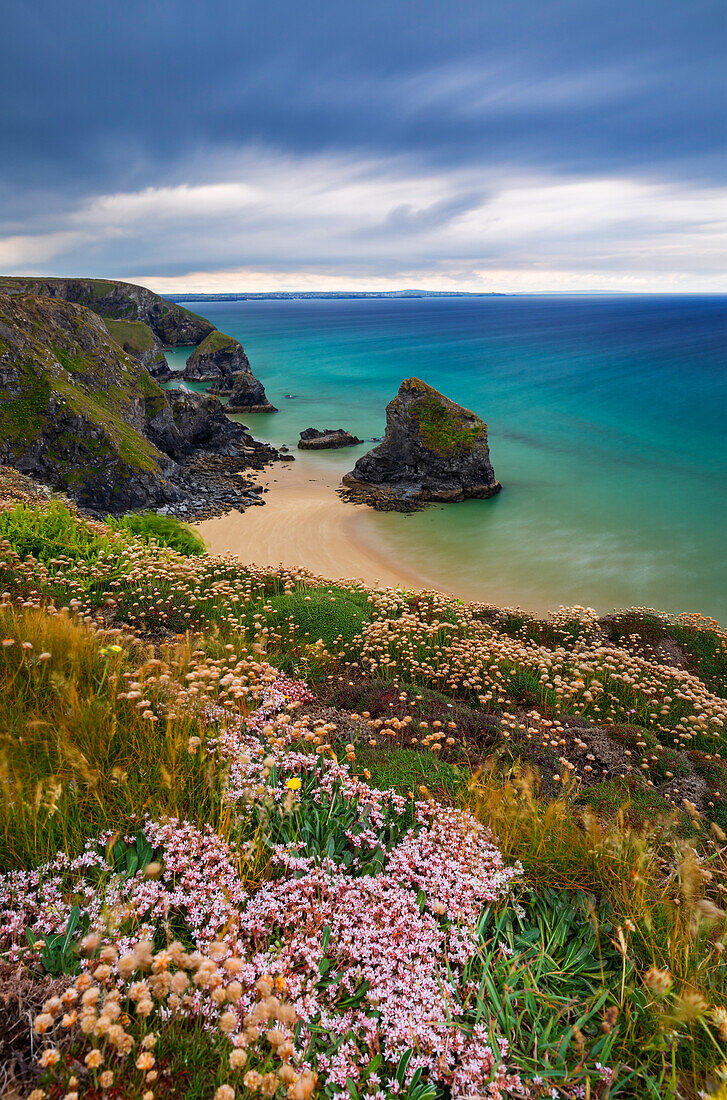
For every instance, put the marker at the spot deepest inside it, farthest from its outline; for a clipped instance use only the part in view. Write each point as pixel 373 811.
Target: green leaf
pixel 403 1065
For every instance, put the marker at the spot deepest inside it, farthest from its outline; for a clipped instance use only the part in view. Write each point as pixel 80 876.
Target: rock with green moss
pixel 217 359
pixel 221 360
pixel 73 406
pixel 138 340
pixel 81 415
pixel 172 324
pixel 433 451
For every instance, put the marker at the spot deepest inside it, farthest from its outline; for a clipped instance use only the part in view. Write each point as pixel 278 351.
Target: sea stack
pixel 217 359
pixel 434 451
pixel 221 360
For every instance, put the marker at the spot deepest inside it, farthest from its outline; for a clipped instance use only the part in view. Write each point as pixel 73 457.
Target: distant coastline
pixel 332 295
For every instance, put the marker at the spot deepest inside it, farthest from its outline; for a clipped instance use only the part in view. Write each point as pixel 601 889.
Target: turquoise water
pixel 607 430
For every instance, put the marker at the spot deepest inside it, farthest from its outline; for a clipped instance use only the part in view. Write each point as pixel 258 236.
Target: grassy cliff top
pixel 131 335
pixel 171 323
pixel 216 341
pixel 59 356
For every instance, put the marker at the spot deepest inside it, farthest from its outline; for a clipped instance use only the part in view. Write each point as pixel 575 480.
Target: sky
pixel 557 145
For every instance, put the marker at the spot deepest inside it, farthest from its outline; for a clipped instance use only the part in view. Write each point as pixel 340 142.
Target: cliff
pixel 172 324
pixel 217 359
pixel 81 415
pixel 434 451
pixel 221 360
pixel 138 341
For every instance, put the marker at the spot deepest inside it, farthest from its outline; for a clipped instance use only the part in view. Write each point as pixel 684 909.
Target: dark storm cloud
pixel 110 99
pixel 111 95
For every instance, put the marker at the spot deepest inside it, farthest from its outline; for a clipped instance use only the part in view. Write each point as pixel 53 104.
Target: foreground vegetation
pixel 261 835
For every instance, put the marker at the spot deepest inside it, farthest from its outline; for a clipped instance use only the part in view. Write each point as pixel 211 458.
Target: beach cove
pixel 605 428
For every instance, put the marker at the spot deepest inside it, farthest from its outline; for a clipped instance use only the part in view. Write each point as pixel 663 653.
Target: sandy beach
pixel 305 523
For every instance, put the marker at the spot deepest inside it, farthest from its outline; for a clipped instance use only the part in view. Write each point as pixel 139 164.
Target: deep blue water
pixel 607 430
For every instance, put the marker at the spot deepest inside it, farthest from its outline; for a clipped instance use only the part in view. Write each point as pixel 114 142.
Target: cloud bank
pixel 526 146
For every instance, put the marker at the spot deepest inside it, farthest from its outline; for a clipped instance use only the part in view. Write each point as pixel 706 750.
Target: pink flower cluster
pixel 372 963
pixel 276 696
pixel 455 863
pixel 374 936
pixel 197 881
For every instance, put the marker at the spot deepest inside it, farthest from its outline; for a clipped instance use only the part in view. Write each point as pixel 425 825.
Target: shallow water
pixel 606 422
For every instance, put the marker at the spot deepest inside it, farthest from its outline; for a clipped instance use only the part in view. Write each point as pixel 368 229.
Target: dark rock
pixel 248 396
pixel 221 360
pixel 174 325
pixel 81 415
pixel 218 359
pixel 434 451
pixel 314 440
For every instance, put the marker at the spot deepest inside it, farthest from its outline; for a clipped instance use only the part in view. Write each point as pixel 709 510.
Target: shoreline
pixel 304 523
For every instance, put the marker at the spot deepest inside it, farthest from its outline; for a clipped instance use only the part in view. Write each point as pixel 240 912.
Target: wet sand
pixel 305 523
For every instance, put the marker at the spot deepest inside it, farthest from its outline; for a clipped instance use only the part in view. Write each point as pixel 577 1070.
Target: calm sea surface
pixel 606 420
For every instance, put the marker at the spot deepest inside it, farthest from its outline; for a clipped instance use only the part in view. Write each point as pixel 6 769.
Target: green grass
pixel 52 532
pixel 164 530
pixel 74 759
pixel 440 426
pixel 638 804
pixel 323 614
pixel 406 770
pixel 216 341
pixel 134 335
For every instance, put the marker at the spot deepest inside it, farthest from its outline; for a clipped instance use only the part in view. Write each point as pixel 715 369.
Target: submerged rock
pixel 314 440
pixel 433 451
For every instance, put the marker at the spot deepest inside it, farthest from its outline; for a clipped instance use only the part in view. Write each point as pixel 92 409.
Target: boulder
pixel 314 440
pixel 247 395
pixel 434 451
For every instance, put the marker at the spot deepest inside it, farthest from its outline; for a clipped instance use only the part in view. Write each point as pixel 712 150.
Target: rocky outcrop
pixel 190 422
pixel 138 340
pixel 434 451
pixel 218 359
pixel 172 324
pixel 314 440
pixel 73 406
pixel 221 360
pixel 81 415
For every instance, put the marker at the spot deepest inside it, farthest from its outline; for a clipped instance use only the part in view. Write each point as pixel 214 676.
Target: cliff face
pixel 217 359
pixel 138 341
pixel 74 406
pixel 433 451
pixel 81 415
pixel 172 324
pixel 221 360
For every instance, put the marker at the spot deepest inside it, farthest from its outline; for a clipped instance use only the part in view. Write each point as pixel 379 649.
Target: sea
pixel 607 429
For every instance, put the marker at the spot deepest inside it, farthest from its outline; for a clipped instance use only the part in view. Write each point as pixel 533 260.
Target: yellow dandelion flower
pixel 293 784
